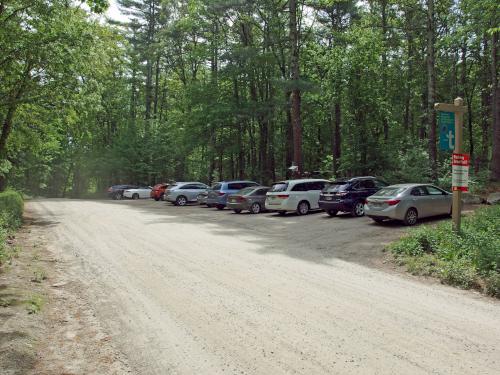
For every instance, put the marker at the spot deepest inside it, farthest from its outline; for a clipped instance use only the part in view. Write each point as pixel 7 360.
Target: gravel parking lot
pixel 193 290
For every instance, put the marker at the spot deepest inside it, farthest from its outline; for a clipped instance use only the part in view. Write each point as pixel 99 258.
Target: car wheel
pixel 119 197
pixel 332 213
pixel 377 220
pixel 157 199
pixel 255 208
pixel 411 217
pixel 219 207
pixel 209 205
pixel 181 200
pixel 358 210
pixel 135 196
pixel 303 208
pixel 237 211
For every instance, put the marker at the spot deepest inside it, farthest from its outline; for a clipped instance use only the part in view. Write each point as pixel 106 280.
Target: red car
pixel 158 191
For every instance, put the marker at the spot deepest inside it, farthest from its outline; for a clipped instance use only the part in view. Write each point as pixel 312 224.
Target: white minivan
pixel 300 196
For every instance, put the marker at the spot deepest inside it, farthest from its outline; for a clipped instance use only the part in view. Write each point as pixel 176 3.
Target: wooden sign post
pixel 458 109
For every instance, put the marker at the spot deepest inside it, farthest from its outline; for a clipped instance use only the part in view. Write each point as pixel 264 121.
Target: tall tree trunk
pixel 408 115
pixel 495 108
pixel 157 87
pixel 385 122
pixel 295 97
pixel 336 140
pixel 431 88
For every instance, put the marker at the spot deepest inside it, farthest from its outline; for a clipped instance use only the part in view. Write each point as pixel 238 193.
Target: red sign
pixel 460 172
pixel 460 159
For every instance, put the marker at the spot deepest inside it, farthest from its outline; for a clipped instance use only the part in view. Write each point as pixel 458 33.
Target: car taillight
pixel 241 199
pixel 220 193
pixel 393 202
pixel 283 196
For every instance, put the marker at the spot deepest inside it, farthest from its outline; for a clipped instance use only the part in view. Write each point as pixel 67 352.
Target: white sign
pixel 460 172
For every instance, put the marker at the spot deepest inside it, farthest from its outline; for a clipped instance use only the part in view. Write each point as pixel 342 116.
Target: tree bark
pixel 336 141
pixel 431 88
pixel 295 95
pixel 495 109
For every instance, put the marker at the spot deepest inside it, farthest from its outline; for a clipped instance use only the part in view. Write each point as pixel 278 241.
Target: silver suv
pixel 181 193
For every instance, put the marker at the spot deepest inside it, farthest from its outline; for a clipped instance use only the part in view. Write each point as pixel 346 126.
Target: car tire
pixel 332 213
pixel 358 210
pixel 237 211
pixel 378 220
pixel 157 199
pixel 119 196
pixel 209 205
pixel 181 200
pixel 220 207
pixel 255 208
pixel 411 217
pixel 303 208
pixel 135 196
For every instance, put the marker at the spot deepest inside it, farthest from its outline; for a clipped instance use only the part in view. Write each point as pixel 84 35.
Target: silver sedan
pixel 408 203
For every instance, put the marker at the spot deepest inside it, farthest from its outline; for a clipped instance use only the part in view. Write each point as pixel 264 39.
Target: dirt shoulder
pixel 47 325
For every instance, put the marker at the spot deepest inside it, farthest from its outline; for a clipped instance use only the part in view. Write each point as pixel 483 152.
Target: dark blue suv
pixel 349 195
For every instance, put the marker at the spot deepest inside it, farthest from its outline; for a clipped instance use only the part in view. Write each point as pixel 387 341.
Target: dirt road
pixel 190 290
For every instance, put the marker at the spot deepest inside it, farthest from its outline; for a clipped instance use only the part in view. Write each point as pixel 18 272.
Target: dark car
pixel 116 191
pixel 252 199
pixel 349 195
pixel 218 193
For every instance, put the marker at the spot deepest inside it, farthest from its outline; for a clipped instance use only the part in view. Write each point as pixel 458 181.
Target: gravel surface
pixel 191 290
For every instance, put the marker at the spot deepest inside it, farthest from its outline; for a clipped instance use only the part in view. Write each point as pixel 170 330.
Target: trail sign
pixel 447 131
pixel 460 172
pixel 460 175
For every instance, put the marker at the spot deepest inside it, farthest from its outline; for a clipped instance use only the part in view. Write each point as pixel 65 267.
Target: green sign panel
pixel 447 131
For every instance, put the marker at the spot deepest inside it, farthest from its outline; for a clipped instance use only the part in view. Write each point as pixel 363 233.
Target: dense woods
pixel 217 89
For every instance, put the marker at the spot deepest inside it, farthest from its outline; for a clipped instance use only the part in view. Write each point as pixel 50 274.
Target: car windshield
pixel 246 191
pixel 336 186
pixel 280 186
pixel 216 186
pixel 390 191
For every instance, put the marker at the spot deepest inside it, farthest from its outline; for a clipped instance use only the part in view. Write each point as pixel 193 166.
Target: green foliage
pixel 461 260
pixel 11 210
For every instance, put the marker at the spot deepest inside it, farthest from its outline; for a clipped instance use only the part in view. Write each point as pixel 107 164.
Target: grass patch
pixel 34 304
pixel 468 260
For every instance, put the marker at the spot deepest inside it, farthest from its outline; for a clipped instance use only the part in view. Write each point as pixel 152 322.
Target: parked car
pixel 138 193
pixel 252 199
pixel 218 193
pixel 408 203
pixel 116 191
pixel 300 196
pixel 181 193
pixel 202 198
pixel 349 195
pixel 158 191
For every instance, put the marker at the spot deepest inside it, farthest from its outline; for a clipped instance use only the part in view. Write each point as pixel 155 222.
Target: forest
pixel 209 90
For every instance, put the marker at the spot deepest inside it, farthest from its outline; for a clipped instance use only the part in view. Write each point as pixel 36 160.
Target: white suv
pixel 295 195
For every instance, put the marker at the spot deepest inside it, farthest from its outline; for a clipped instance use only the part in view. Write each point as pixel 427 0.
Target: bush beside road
pixel 468 260
pixel 11 211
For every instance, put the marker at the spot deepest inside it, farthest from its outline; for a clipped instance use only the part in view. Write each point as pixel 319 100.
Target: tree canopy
pixel 218 89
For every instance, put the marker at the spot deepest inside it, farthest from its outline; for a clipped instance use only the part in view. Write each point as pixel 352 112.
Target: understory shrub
pixel 468 260
pixel 11 211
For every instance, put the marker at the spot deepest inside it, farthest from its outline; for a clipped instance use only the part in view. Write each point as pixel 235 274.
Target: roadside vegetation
pixel 11 211
pixel 468 260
